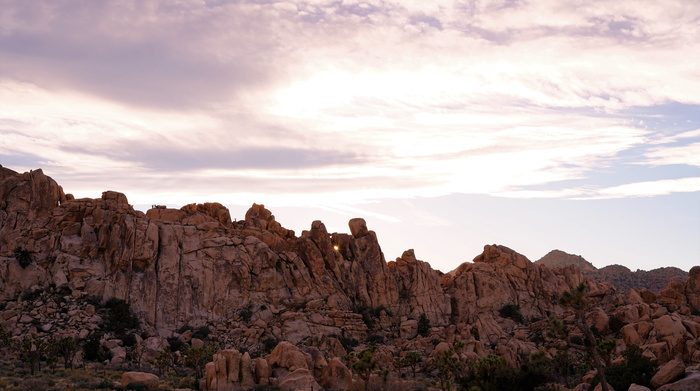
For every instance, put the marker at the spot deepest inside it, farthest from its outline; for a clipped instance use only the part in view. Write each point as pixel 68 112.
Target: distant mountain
pixel 557 259
pixel 617 275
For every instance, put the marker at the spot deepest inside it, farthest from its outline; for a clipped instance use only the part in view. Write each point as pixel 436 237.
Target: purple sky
pixel 447 125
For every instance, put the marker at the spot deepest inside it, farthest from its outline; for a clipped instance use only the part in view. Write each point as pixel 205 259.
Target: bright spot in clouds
pixel 352 109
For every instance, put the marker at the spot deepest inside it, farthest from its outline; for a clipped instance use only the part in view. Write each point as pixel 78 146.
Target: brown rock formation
pixel 322 294
pixel 619 276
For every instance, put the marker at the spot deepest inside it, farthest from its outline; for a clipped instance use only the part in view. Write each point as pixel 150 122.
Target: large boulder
pixel 148 379
pixel 300 379
pixel 689 383
pixel 288 356
pixel 671 371
pixel 692 288
pixel 336 376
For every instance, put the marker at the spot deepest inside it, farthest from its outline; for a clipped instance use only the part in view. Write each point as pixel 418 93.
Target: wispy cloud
pixel 307 100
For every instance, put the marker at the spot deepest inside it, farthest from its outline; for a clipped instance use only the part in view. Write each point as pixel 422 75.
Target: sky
pixel 447 125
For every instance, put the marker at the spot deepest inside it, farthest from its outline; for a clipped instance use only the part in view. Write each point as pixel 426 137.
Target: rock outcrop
pixel 254 283
pixel 619 276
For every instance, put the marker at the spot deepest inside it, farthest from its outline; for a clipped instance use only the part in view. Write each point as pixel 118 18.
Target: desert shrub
pixel 23 257
pixel 636 368
pixel 375 339
pixel 34 384
pixel 120 319
pixel 104 385
pixel 93 349
pixel 30 295
pixel 367 315
pixel 137 386
pixel 184 328
pixel 201 332
pixel 511 311
pixel 129 339
pixel 348 343
pixel 197 358
pixel 423 325
pixel 615 324
pixel 245 314
pixel 269 344
pixel 578 340
pixel 175 344
pixel 492 373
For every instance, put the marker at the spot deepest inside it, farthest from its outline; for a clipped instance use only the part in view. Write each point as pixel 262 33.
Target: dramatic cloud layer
pixel 343 103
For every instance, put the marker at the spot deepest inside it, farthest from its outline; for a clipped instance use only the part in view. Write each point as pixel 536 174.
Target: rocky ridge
pixel 317 294
pixel 619 276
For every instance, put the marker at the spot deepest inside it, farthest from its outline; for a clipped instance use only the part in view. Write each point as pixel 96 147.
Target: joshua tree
pixel 411 359
pixel 365 364
pixel 577 300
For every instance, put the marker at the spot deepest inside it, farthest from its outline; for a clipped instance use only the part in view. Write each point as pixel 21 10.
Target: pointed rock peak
pixel 358 227
pixel 4 171
pixel 502 255
pixel 408 256
pixel 318 228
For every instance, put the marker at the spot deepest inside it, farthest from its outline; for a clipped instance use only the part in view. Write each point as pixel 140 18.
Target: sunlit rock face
pixel 252 281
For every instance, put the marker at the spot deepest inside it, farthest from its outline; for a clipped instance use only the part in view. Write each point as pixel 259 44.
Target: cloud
pixel 350 100
pixel 651 188
pixel 686 154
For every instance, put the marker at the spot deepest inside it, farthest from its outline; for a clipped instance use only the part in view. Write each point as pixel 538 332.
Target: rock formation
pixel 619 276
pixel 254 283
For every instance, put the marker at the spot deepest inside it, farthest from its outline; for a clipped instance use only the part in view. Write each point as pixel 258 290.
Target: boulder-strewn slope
pixel 619 276
pixel 253 281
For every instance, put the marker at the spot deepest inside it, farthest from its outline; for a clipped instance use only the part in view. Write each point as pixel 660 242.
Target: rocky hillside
pixel 294 311
pixel 558 259
pixel 619 276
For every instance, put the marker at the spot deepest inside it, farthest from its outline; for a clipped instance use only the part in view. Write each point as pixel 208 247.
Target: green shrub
pixel 375 339
pixel 184 328
pixel 175 344
pixel 129 340
pixel 137 386
pixel 269 344
pixel 120 319
pixel 511 311
pixel 93 350
pixel 615 324
pixel 636 368
pixel 23 257
pixel 30 295
pixel 247 313
pixel 423 325
pixel 104 385
pixel 537 373
pixel 201 332
pixel 348 343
